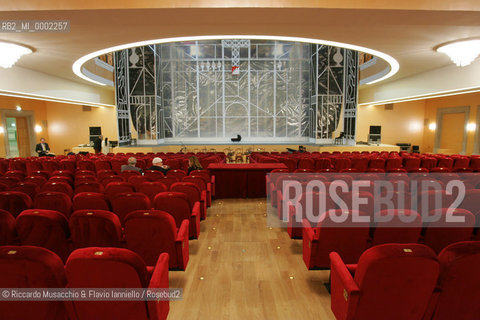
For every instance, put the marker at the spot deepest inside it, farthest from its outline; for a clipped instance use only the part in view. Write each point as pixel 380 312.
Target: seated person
pixel 157 164
pixel 131 165
pixel 194 164
pixel 302 149
pixel 43 149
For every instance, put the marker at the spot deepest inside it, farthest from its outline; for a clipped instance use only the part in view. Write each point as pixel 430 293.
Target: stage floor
pixel 244 148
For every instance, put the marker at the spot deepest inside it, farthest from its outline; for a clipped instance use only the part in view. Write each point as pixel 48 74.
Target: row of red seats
pixel 146 232
pixel 408 281
pixel 363 163
pixel 102 162
pixel 96 267
pixel 351 238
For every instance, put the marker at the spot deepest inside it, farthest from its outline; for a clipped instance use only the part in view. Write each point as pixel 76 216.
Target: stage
pixel 243 147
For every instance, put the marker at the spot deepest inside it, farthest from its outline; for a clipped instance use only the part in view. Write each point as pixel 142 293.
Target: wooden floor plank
pixel 240 268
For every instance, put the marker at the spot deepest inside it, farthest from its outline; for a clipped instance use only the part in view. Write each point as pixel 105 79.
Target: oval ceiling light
pixel 394 65
pixel 10 53
pixel 461 52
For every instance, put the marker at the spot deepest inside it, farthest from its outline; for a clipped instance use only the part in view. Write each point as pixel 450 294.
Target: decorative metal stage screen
pixel 213 90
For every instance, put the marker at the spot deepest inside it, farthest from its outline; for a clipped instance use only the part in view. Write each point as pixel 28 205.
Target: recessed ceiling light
pixel 462 52
pixel 10 53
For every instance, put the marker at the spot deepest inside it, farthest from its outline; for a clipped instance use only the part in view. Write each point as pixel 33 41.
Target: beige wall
pixel 68 125
pixel 403 124
pixel 64 125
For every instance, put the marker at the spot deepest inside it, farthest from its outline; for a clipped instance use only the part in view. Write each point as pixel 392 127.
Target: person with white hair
pixel 157 164
pixel 131 165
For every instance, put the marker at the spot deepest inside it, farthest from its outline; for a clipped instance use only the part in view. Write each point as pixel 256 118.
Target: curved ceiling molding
pixel 394 65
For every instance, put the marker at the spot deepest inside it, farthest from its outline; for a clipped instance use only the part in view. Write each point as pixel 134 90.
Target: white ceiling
pixel 407 35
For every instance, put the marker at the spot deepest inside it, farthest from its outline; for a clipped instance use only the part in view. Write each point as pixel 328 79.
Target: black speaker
pixel 95 131
pixel 237 139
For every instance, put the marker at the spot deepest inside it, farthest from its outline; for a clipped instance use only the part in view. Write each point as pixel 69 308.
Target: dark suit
pixel 97 145
pixel 40 151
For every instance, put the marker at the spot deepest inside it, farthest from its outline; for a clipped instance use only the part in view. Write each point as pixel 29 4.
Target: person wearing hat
pixel 157 164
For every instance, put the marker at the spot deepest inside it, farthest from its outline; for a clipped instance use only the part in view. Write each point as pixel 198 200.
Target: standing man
pixel 42 148
pixel 97 144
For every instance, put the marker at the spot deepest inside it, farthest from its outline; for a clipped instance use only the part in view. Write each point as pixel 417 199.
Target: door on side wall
pixel 452 133
pixel 23 137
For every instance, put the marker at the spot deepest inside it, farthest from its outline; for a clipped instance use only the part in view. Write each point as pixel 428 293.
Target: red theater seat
pixel 101 267
pixel 44 228
pixel 137 180
pixel 153 175
pixel 7 228
pixel 31 267
pixel 443 232
pixel 90 200
pixel 347 238
pixel 178 174
pixel 396 230
pixel 88 186
pixel 390 281
pixel 153 232
pixel 200 183
pixel 178 205
pixel 458 291
pixel 114 188
pixel 58 187
pixel 38 180
pixel 14 202
pixel 109 179
pixel 54 201
pixel 29 188
pixel 86 165
pixel 129 173
pixel 102 165
pixel 124 203
pixel 151 189
pixel 194 194
pixel 95 228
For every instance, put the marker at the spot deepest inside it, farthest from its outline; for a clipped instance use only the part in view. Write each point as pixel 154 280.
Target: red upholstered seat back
pixel 101 267
pixel 29 188
pixel 151 189
pixel 397 230
pixel 7 228
pixel 54 201
pixel 458 282
pixel 90 200
pixel 441 233
pixel 153 175
pixel 150 233
pixel 95 228
pixel 124 203
pixel 114 188
pixel 31 267
pixel 88 186
pixel 176 204
pixel 191 190
pixel 396 281
pixel 178 174
pixel 349 241
pixel 137 180
pixel 58 187
pixel 44 228
pixel 14 202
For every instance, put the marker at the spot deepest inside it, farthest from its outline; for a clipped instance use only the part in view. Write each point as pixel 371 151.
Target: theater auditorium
pixel 282 159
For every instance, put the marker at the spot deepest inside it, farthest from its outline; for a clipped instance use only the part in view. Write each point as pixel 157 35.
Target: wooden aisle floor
pixel 241 269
